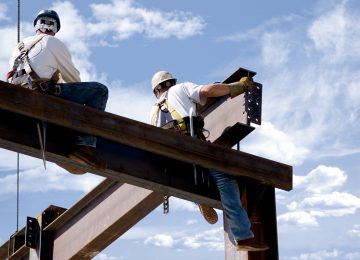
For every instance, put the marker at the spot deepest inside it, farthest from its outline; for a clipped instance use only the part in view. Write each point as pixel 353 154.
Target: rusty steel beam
pixel 88 247
pixel 125 163
pixel 103 221
pixel 142 136
pixel 226 118
pixel 93 223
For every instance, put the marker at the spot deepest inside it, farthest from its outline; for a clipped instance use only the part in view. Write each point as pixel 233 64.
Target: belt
pixel 50 88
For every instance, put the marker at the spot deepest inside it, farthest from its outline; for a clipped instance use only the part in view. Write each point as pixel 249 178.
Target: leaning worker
pixel 42 62
pixel 172 111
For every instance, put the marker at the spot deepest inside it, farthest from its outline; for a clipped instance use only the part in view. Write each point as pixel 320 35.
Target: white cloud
pixel 8 161
pixel 298 218
pixel 312 103
pixel 352 255
pixel 73 26
pixel 3 12
pixel 273 143
pixel 7 45
pixel 103 256
pixel 161 240
pixel 336 34
pixel 180 204
pixel 122 17
pixel 254 33
pixel 212 240
pixel 130 101
pixel 275 50
pixel 54 178
pixel 125 19
pixel 321 179
pixel 337 199
pixel 355 231
pixel 325 254
pixel 318 196
pixel 192 222
pixel 319 255
pixel 9 42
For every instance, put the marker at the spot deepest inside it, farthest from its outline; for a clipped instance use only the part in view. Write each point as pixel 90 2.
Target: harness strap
pixel 23 58
pixel 180 123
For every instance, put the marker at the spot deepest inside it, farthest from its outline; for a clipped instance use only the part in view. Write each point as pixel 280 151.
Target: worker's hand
pixel 241 86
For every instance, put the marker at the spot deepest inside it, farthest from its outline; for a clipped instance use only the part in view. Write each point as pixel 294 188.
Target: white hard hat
pixel 160 77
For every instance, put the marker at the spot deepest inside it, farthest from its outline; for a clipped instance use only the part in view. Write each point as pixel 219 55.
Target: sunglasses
pixel 47 22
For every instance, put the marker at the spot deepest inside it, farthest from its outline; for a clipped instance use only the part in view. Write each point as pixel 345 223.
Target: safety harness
pixel 22 67
pixel 180 125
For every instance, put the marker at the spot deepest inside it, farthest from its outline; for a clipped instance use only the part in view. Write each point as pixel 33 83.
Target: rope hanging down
pixel 18 155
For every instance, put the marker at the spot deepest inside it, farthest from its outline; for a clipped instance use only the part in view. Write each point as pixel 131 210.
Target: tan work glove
pixel 241 86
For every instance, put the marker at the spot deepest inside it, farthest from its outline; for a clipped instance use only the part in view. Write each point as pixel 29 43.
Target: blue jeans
pixel 92 94
pixel 238 220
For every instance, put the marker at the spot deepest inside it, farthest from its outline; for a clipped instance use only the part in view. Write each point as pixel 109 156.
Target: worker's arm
pixel 214 90
pixel 233 89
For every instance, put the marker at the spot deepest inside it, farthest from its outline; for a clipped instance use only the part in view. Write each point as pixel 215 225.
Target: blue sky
pixel 306 55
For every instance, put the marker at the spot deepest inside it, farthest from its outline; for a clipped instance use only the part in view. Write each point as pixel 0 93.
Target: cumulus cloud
pixel 321 179
pixel 125 18
pixel 313 100
pixel 180 204
pixel 54 178
pixel 192 222
pixel 161 240
pixel 317 196
pixel 3 12
pixel 336 34
pixel 253 33
pixel 318 255
pixel 273 143
pixel 122 18
pixel 275 51
pixel 153 24
pixel 355 231
pixel 122 101
pixel 103 256
pixel 212 240
pixel 325 254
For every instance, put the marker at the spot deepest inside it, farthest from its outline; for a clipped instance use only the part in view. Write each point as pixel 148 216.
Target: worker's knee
pixel 101 88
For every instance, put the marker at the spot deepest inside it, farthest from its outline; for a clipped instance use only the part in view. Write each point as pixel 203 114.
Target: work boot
pixel 71 169
pixel 87 155
pixel 250 244
pixel 208 213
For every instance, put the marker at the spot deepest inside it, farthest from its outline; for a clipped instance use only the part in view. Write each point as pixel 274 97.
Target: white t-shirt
pixel 47 56
pixel 181 97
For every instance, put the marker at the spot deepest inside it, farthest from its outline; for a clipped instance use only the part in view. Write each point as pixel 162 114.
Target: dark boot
pixel 208 213
pixel 251 244
pixel 71 169
pixel 87 155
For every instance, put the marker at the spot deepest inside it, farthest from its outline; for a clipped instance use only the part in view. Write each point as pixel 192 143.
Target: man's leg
pixel 239 222
pixel 95 95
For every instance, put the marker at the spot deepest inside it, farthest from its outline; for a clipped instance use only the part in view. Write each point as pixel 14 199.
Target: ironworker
pixel 173 111
pixel 42 62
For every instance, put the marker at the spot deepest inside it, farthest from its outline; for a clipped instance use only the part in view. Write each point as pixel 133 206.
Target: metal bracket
pixel 253 100
pixel 32 233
